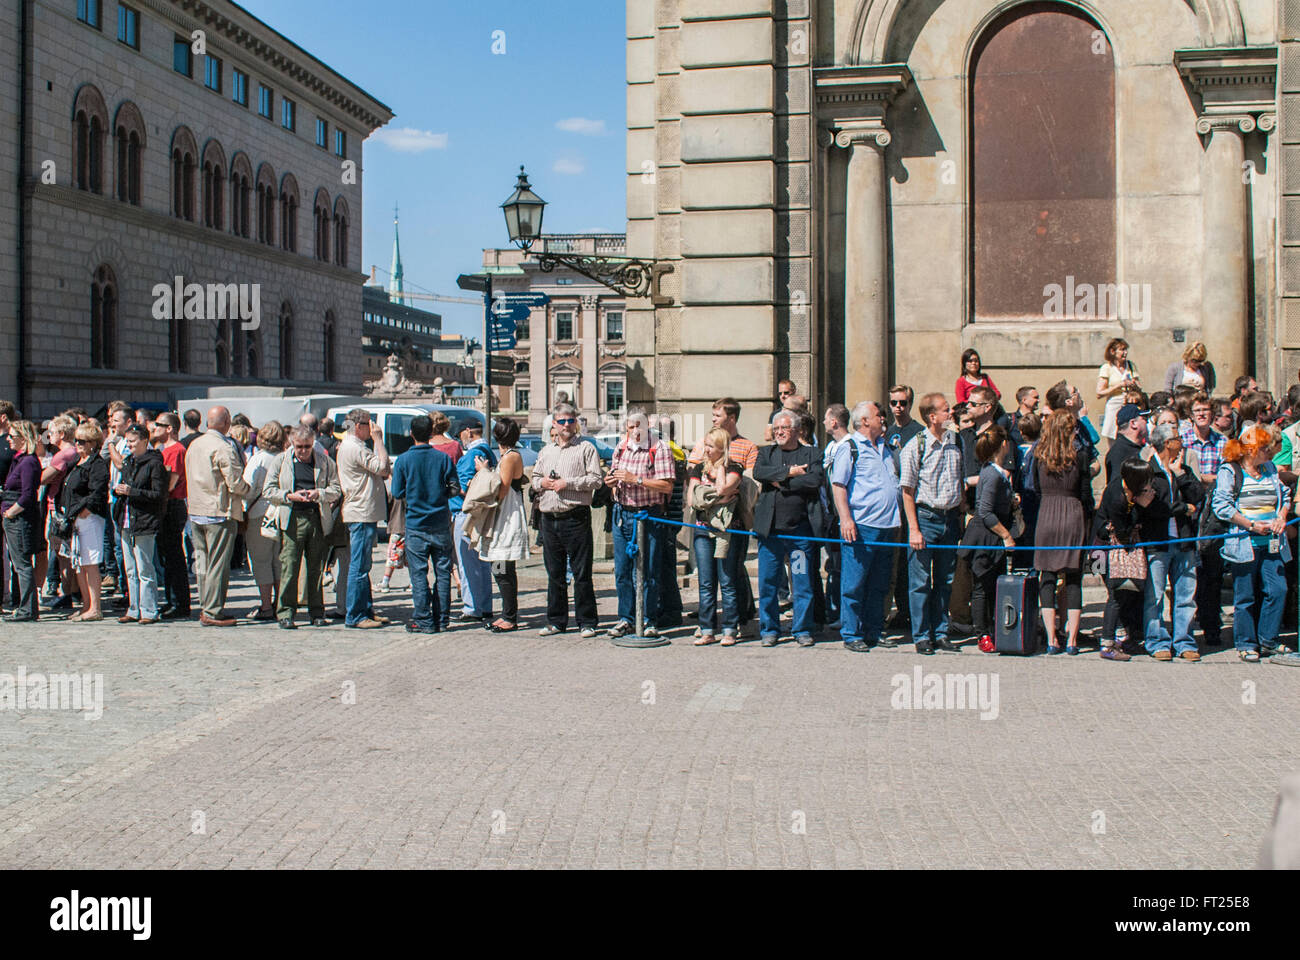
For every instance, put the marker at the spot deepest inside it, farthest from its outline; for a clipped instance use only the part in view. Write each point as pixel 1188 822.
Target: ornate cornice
pixel 859 93
pixel 1236 86
pixel 589 301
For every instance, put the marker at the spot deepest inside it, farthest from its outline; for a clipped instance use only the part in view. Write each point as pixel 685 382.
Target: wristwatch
pixel 640 482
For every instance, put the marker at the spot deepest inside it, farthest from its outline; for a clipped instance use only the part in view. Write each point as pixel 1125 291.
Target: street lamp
pixel 631 277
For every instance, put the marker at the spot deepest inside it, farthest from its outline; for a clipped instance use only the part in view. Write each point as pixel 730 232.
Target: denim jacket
pixel 1239 549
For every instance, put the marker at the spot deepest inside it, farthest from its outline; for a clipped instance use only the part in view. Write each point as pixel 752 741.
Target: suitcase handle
pixel 1009 616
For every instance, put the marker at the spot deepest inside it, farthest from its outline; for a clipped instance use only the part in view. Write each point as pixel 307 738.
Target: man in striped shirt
pixel 641 478
pixel 1203 451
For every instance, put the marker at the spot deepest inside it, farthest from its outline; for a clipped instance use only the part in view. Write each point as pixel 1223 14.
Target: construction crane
pixel 477 301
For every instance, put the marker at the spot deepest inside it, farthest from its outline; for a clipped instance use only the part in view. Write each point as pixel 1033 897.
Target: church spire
pixel 395 292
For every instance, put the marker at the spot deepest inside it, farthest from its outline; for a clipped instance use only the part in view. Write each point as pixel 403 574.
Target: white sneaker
pixel 588 632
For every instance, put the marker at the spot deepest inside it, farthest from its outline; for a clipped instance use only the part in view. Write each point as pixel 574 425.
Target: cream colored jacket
pixel 361 478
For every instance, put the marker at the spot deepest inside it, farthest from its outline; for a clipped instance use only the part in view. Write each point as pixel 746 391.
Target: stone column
pixel 1225 263
pixel 866 275
pixel 590 405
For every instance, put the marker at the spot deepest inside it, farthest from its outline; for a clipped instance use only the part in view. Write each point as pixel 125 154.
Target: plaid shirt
pixel 652 463
pixel 934 474
pixel 1209 452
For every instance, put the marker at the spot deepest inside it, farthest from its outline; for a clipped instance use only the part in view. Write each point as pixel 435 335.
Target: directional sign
pixel 502 300
pixel 497 344
pixel 503 364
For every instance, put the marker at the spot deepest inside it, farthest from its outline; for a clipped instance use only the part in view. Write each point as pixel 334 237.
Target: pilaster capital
pixel 1234 86
pixel 589 301
pixel 865 136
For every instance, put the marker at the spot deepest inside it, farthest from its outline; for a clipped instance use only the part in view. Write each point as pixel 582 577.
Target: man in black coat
pixel 1129 440
pixel 138 512
pixel 789 506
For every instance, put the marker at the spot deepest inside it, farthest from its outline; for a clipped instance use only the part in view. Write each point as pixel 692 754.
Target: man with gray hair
pixel 1171 515
pixel 215 486
pixel 361 479
pixel 566 473
pixel 864 481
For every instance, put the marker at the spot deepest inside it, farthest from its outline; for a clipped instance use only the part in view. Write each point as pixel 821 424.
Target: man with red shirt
pixel 176 576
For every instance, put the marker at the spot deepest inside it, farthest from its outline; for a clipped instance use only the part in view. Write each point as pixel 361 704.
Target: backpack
pixel 1210 525
pixel 828 488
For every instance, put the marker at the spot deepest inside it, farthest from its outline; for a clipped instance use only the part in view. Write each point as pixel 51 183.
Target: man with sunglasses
pixel 566 473
pixel 902 429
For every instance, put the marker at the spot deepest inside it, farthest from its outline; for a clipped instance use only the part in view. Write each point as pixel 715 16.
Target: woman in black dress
pixel 1064 510
pixel 988 535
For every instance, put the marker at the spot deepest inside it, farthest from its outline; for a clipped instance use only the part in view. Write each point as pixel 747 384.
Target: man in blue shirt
pixel 426 480
pixel 865 485
pixel 475 573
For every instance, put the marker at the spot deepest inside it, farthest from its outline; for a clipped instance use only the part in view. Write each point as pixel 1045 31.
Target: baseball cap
pixel 1127 413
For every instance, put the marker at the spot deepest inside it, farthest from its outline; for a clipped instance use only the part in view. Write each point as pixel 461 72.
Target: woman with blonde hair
pixel 85 504
pixel 1249 495
pixel 719 477
pixel 1194 370
pixel 1064 510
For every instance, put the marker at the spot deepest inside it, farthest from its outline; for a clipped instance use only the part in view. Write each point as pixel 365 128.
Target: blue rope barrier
pixel 894 544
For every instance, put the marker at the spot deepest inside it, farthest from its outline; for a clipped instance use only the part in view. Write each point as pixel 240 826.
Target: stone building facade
pixel 176 138
pixel 852 192
pixel 575 345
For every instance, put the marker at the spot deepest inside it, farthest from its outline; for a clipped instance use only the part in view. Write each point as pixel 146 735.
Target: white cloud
pixel 569 166
pixel 410 140
pixel 588 128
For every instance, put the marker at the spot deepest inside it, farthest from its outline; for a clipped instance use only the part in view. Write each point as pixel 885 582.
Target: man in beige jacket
pixel 216 487
pixel 362 472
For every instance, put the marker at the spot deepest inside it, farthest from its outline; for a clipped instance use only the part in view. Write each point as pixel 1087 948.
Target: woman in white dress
pixel 1117 374
pixel 510 531
pixel 263 551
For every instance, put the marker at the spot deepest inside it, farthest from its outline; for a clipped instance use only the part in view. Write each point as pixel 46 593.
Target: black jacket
pixel 1188 490
pixel 86 488
pixel 147 501
pixel 772 475
pixel 1120 450
pixel 1115 515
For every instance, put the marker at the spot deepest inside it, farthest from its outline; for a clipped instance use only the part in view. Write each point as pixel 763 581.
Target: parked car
pixel 529 445
pixel 395 420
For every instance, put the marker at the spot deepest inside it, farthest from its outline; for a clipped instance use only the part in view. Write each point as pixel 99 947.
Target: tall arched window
pixel 329 344
pixel 214 185
pixel 322 219
pixel 267 195
pixel 90 122
pixel 286 341
pixel 222 348
pixel 103 318
pixel 241 195
pixel 178 343
pixel 289 213
pixel 252 356
pixel 1043 149
pixel 185 153
pixel 129 133
pixel 342 220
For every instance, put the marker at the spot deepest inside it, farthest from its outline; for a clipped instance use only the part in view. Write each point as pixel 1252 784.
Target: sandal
pixel 74 618
pixel 1248 656
pixel 729 640
pixel 706 639
pixel 85 619
pixel 502 626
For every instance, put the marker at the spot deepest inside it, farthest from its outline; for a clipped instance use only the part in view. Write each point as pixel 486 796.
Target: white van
pixel 395 420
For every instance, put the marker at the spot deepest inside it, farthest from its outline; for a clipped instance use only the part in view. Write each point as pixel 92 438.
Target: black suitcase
pixel 1015 614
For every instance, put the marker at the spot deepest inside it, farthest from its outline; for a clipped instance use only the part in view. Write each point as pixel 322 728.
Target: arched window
pixel 214 185
pixel 328 338
pixel 267 194
pixel 252 357
pixel 185 153
pixel 90 121
pixel 342 221
pixel 322 219
pixel 1043 161
pixel 103 318
pixel 289 213
pixel 178 343
pixel 236 349
pixel 286 341
pixel 129 133
pixel 241 195
pixel 222 348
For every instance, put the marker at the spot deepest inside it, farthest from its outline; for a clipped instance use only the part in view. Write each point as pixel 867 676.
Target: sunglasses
pixel 898 403
pixel 566 422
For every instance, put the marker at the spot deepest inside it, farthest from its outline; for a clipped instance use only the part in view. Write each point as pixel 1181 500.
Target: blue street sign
pixel 501 326
pixel 504 342
pixel 503 302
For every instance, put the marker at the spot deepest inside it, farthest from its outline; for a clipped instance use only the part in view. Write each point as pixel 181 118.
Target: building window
pixel 214 186
pixel 328 338
pixel 1040 103
pixel 88 12
pixel 613 395
pixel 178 343
pixel 563 325
pixel 129 132
pixel 289 214
pixel 322 133
pixel 212 73
pixel 252 357
pixel 128 26
pixel 182 62
pixel 265 100
pixel 286 341
pixel 521 398
pixel 287 117
pixel 342 222
pixel 266 198
pixel 614 325
pixel 322 221
pixel 564 281
pixel 239 87
pixel 521 329
pixel 241 191
pixel 184 167
pixel 340 144
pixel 91 123
pixel 103 319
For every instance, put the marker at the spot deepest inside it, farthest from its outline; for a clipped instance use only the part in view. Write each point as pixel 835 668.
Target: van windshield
pixel 397 434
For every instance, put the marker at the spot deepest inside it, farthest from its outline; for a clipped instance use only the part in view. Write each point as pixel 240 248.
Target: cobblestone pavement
pixel 240 748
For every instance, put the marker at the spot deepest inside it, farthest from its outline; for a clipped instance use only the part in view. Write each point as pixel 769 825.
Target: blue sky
pixel 466 118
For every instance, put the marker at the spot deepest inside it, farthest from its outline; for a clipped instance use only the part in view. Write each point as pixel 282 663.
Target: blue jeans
pixel 1258 593
pixel 475 574
pixel 1176 566
pixel 772 554
pixel 864 581
pixel 715 575
pixel 138 572
pixel 431 608
pixel 929 573
pixel 625 566
pixel 361 605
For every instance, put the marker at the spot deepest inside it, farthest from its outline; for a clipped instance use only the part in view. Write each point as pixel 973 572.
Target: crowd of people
pixel 919 514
